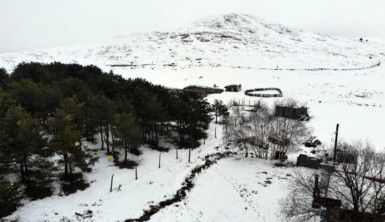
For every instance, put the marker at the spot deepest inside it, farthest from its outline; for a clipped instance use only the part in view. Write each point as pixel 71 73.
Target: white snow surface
pixel 231 40
pixel 222 50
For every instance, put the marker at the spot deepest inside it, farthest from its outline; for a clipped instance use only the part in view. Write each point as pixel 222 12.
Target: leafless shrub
pixel 263 133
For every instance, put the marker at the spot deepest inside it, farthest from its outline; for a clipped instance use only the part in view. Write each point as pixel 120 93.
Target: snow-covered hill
pixel 231 40
pixel 341 81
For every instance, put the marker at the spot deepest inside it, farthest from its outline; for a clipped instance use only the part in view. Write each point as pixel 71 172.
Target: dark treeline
pixel 47 111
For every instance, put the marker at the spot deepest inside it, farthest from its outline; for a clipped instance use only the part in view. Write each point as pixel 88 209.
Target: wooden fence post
pixel 112 181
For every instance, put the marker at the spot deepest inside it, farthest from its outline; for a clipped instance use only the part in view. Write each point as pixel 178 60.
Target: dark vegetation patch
pixel 73 183
pixel 154 145
pixel 135 151
pixel 36 190
pixel 124 164
pixel 128 164
pixel 10 196
pixel 188 144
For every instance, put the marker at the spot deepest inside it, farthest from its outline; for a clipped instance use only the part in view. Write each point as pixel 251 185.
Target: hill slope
pixel 234 40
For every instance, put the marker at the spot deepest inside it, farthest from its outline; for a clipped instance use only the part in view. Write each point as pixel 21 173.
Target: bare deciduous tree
pixel 296 206
pixel 262 132
pixel 260 121
pixel 358 181
pixel 362 174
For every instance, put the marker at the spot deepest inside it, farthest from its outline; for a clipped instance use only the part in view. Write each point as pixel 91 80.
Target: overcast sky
pixel 36 24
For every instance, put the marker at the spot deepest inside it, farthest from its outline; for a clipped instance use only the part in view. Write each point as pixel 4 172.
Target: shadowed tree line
pixel 48 112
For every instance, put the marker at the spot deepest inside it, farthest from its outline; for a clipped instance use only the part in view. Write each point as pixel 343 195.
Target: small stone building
pixel 233 88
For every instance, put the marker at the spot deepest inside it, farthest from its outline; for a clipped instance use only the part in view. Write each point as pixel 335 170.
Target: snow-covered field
pixel 355 99
pixel 234 189
pixel 230 49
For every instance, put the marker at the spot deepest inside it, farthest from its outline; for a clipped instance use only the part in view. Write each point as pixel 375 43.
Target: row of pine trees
pixel 49 111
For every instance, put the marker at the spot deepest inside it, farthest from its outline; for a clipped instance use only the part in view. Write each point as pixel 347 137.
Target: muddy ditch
pixel 187 185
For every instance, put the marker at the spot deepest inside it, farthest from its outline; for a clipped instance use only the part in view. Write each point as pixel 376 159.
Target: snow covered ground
pixel 355 99
pixel 230 49
pixel 233 189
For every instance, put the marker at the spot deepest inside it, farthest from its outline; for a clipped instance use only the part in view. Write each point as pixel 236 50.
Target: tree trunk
pixel 108 138
pixel 113 143
pixel 70 175
pixel 25 166
pixel 125 152
pixel 65 165
pixel 216 116
pixel 156 138
pixel 22 175
pixel 101 136
pixel 247 150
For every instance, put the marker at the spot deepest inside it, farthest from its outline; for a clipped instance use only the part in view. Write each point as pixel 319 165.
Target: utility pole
pixel 335 143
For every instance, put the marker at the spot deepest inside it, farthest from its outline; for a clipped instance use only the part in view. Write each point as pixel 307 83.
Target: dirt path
pixel 187 185
pixel 313 69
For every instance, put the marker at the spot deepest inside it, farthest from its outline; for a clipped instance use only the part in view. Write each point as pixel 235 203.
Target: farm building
pixel 203 90
pixel 309 162
pixel 233 88
pixel 299 113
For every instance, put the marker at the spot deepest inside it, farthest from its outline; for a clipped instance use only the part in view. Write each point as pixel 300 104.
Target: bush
pixel 189 144
pixel 128 164
pixel 9 198
pixel 135 151
pixel 78 183
pixel 35 190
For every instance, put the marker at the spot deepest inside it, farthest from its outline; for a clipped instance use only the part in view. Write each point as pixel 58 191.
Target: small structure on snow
pixel 296 113
pixel 261 92
pixel 309 162
pixel 312 142
pixel 233 88
pixel 203 90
